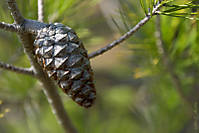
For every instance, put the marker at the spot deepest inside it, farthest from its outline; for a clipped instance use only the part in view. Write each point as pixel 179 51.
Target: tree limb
pixel 12 68
pixel 40 10
pixel 169 66
pixel 126 35
pixel 50 89
pixel 9 27
pixel 29 26
pixel 12 5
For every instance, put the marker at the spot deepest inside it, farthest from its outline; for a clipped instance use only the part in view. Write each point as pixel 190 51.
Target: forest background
pixel 140 89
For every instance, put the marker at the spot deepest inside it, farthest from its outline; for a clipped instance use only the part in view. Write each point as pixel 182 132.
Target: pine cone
pixel 63 56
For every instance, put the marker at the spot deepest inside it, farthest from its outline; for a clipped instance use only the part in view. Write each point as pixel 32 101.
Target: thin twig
pixel 126 35
pixel 50 89
pixel 40 10
pixel 169 66
pixel 20 70
pixel 9 27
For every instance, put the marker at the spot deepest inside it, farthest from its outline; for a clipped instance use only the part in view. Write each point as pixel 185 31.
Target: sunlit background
pixel 135 92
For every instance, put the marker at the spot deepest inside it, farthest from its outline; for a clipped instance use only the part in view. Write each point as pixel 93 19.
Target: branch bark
pixel 50 89
pixel 12 5
pixel 126 35
pixel 9 67
pixel 40 10
pixel 28 26
pixel 169 66
pixel 9 27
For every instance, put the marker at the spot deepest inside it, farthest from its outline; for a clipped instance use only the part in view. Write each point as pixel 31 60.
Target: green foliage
pixel 185 10
pixel 172 8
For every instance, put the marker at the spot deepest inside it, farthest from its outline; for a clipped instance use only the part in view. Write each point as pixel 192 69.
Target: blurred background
pixel 136 93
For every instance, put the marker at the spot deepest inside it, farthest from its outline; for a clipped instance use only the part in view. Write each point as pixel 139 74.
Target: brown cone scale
pixel 63 56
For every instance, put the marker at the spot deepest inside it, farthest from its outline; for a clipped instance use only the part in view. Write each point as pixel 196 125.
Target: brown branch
pixel 126 35
pixel 20 70
pixel 9 27
pixel 169 66
pixel 50 89
pixel 40 10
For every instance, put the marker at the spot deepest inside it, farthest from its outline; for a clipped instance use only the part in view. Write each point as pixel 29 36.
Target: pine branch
pixel 28 26
pixel 20 70
pixel 126 35
pixel 169 66
pixel 19 19
pixel 9 27
pixel 50 89
pixel 40 10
